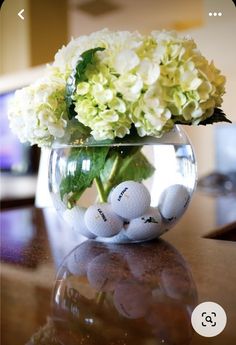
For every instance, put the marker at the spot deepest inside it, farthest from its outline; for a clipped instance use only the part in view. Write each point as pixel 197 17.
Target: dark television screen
pixel 15 157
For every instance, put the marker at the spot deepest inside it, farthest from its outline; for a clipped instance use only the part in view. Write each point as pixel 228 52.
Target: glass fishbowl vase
pixel 128 190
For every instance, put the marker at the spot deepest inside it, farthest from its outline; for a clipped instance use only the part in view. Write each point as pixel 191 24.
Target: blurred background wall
pixel 34 40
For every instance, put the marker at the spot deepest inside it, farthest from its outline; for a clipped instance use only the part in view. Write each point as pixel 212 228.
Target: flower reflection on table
pixel 121 294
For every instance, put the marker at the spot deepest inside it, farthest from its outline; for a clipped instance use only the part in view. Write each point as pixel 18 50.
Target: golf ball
pixel 102 221
pixel 119 238
pixel 173 202
pixel 146 227
pixel 79 259
pixel 132 299
pixel 105 271
pixel 75 218
pixel 130 199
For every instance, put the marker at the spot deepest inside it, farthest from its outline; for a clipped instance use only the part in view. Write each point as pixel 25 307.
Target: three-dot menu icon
pixel 215 14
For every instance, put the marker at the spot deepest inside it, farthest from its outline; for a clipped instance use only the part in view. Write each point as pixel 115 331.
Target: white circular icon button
pixel 208 319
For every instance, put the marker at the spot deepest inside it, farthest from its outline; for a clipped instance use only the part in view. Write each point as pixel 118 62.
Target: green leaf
pixel 87 58
pixel 70 89
pixel 218 116
pixel 131 164
pixel 78 132
pixel 83 166
pixel 77 76
pixel 135 167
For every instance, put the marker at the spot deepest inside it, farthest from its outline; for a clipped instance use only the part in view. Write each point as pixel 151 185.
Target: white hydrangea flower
pixel 147 81
pixel 102 95
pixel 150 115
pixel 191 87
pixel 113 42
pixel 38 112
pixel 129 86
pixel 125 61
pixel 130 68
pixel 149 71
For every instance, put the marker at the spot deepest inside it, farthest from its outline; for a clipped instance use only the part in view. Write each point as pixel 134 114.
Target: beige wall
pixel 34 40
pixel 48 29
pixel 14 37
pixel 215 40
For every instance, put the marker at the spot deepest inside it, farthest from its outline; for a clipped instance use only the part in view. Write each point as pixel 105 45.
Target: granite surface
pixel 57 288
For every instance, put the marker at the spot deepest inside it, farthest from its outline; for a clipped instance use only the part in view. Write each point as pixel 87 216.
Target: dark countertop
pixel 57 288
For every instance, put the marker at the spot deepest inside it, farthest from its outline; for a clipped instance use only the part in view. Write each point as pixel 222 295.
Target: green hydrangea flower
pixel 38 112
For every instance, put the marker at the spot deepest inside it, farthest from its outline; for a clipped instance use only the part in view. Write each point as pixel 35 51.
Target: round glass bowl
pixel 129 190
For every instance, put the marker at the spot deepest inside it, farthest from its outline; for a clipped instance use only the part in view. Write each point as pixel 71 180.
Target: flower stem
pixel 100 298
pixel 114 170
pixel 100 189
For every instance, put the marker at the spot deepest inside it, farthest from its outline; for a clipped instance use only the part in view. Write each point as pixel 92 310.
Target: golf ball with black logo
pixel 173 202
pixel 119 238
pixel 130 199
pixel 102 221
pixel 146 227
pixel 75 218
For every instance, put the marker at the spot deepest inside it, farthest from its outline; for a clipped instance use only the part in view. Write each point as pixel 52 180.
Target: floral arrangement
pixel 105 87
pixel 112 84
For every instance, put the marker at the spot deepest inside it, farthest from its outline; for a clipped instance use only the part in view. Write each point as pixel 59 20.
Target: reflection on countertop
pixel 34 244
pixel 121 294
